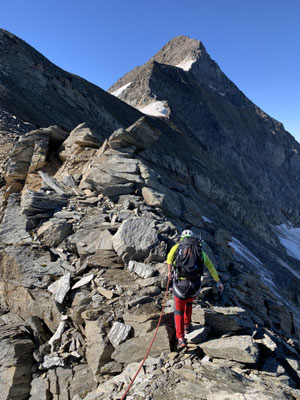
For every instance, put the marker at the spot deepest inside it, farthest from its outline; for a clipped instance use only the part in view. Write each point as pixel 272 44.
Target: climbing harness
pixel 152 341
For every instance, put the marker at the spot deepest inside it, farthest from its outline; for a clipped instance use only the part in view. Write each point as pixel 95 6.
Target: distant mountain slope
pixel 35 90
pixel 185 86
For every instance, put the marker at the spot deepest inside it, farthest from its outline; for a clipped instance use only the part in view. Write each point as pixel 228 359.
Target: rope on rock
pixel 152 341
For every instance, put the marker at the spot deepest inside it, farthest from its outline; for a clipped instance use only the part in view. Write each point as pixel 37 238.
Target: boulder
pixel 125 354
pixel 135 238
pixel 88 240
pixel 237 348
pixel 222 319
pixel 54 231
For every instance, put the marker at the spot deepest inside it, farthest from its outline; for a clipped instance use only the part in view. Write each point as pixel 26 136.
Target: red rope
pixel 152 341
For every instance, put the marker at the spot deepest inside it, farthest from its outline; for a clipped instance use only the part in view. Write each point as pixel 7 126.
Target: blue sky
pixel 256 43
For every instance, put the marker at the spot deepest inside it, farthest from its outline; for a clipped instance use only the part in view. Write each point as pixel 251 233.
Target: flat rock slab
pixel 222 319
pixel 198 334
pixel 237 348
pixel 134 349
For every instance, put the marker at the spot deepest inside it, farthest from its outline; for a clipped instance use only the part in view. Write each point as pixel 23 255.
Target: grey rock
pixel 13 225
pixel 98 352
pixel 141 135
pixel 134 239
pixel 54 231
pixel 198 334
pixel 237 348
pixel 87 240
pixel 81 136
pixel 40 389
pixel 52 183
pixel 16 361
pixel 52 361
pixel 34 202
pixel 222 319
pixel 124 353
pixel 118 333
pixel 141 269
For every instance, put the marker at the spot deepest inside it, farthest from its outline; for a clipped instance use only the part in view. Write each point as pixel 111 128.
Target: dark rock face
pixel 34 90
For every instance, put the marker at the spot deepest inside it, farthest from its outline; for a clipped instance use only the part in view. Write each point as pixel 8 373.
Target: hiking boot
pixel 188 329
pixel 181 343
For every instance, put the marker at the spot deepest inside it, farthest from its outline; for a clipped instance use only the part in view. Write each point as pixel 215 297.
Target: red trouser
pixel 183 314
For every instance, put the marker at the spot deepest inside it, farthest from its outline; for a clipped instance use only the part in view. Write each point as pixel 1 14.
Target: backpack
pixel 189 259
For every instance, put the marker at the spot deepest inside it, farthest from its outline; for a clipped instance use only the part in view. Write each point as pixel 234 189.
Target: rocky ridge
pixel 87 221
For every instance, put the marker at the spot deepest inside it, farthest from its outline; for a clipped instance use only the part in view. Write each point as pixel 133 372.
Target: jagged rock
pixel 118 333
pixel 98 352
pixel 33 202
pixel 141 269
pixel 140 135
pixel 54 231
pixel 60 288
pixel 13 225
pixel 59 331
pixel 80 137
pixel 16 361
pixel 237 348
pixel 53 361
pixel 222 319
pixel 124 353
pixel 112 173
pixel 83 281
pixel 134 239
pixel 90 238
pixel 28 155
pixel 52 183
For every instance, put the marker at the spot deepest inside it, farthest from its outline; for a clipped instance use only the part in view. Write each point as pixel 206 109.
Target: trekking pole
pixel 152 341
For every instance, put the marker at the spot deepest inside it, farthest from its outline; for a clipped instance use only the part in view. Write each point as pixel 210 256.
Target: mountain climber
pixel 188 259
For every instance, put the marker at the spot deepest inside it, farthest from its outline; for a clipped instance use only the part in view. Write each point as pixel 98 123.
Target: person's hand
pixel 220 286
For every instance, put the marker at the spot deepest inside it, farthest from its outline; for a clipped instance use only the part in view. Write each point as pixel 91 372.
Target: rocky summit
pixel 96 188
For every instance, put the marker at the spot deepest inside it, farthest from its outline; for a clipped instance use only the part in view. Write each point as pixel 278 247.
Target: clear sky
pixel 255 42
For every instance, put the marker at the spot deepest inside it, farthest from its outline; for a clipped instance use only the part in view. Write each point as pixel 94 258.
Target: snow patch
pixel 222 93
pixel 121 90
pixel 206 219
pixel 186 64
pixel 289 237
pixel 157 109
